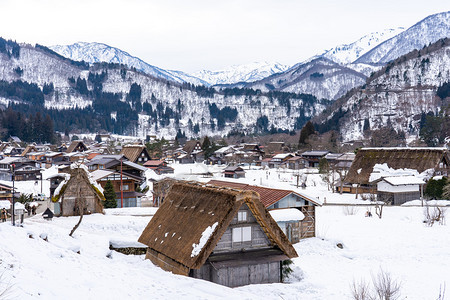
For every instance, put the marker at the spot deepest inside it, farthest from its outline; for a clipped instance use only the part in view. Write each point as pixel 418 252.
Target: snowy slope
pixel 427 31
pixel 241 73
pixel 98 52
pixel 348 53
pixel 398 93
pixel 320 77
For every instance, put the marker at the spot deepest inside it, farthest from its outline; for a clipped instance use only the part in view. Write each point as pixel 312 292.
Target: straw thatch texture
pixel 133 152
pixel 79 187
pixel 419 159
pixel 76 146
pixel 187 211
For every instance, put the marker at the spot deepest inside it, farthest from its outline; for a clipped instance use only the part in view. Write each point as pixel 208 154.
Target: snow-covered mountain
pixel 427 31
pixel 331 74
pixel 98 52
pixel 153 105
pixel 320 77
pixel 241 73
pixel 347 53
pixel 396 95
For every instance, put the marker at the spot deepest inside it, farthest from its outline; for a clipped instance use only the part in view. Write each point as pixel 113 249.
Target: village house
pixel 234 172
pixel 280 160
pixel 77 146
pixel 420 159
pixel 276 148
pixel 77 193
pixel 124 186
pixel 216 234
pixel 274 199
pixel 192 152
pixel 136 153
pixel 5 192
pixel 24 169
pixel 295 163
pixel 311 158
pixel 159 166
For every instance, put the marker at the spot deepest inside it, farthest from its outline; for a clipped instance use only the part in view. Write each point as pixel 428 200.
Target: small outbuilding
pixel 234 172
pixel 397 190
pixel 217 234
pixel 78 191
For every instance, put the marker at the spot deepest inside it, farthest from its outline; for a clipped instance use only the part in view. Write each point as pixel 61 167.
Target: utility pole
pixel 13 199
pixel 121 184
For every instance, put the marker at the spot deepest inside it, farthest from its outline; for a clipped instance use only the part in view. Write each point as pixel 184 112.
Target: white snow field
pixel 415 255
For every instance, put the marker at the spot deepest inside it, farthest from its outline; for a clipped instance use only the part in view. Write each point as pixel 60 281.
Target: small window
pixel 242 234
pixel 125 187
pixel 242 216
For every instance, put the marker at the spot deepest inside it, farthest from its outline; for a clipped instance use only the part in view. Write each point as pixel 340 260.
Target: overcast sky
pixel 190 35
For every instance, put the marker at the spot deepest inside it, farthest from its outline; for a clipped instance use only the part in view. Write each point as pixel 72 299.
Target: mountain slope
pixel 98 52
pixel 241 73
pixel 347 53
pixel 320 77
pixel 427 31
pixel 395 96
pixel 116 98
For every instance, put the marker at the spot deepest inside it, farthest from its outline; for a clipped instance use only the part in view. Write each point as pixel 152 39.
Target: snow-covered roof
pixel 403 180
pixel 282 155
pixel 8 160
pixel 224 149
pixel 287 214
pixel 98 174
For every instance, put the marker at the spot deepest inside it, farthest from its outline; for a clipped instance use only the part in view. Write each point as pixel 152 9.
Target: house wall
pixel 258 237
pixel 290 200
pixel 234 276
pixel 397 198
pixel 383 186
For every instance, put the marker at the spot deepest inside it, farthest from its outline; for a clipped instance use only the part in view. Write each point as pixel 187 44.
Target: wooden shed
pixel 216 234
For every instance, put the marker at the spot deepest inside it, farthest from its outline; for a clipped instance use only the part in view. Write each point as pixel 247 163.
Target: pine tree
pixel 306 131
pixel 110 196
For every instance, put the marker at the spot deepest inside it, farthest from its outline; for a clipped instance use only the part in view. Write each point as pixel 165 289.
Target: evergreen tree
pixel 110 195
pixel 306 131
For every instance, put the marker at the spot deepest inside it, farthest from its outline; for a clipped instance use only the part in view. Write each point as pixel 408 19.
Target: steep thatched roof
pixel 190 146
pixel 419 159
pixel 132 152
pixel 76 145
pixel 188 211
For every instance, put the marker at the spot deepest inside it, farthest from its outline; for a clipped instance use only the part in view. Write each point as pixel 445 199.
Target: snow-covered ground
pixel 415 255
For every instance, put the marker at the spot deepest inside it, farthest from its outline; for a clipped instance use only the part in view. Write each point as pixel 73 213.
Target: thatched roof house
pixel 216 234
pixel 419 159
pixel 77 146
pixel 78 191
pixel 136 153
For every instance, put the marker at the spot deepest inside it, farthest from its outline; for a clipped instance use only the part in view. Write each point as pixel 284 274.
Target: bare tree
pixel 384 287
pixel 360 290
pixel 80 203
pixel 434 214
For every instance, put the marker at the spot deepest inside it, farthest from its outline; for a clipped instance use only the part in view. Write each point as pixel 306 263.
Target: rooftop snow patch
pixel 197 248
